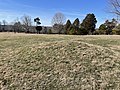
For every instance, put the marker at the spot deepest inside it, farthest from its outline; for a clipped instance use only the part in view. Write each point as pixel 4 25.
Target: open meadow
pixel 59 62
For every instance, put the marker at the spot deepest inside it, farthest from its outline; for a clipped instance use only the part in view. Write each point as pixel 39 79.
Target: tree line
pixel 109 28
pixel 87 27
pixel 23 25
pixel 58 25
pixel 61 26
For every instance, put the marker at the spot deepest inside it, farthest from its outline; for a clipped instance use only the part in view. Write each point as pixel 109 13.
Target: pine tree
pixel 76 23
pixel 67 26
pixel 89 23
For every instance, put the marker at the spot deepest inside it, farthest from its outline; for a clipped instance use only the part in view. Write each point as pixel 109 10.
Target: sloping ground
pixel 57 65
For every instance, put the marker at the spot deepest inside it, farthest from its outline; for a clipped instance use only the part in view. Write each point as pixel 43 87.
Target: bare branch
pixel 115 4
pixel 59 18
pixel 27 22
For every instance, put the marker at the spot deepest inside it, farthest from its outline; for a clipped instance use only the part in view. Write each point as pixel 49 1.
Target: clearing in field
pixel 59 62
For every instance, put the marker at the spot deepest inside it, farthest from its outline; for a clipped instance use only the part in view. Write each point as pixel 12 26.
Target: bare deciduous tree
pixel 115 6
pixel 58 18
pixel 4 24
pixel 17 26
pixel 58 23
pixel 27 23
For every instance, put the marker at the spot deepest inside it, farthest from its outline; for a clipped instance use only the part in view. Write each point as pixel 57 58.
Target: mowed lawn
pixel 59 62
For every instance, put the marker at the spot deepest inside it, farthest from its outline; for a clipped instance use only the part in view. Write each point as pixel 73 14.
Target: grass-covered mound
pixel 57 63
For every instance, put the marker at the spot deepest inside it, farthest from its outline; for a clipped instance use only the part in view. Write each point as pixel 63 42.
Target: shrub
pixel 116 31
pixel 49 31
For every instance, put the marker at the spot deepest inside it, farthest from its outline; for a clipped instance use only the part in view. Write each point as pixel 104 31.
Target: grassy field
pixel 59 62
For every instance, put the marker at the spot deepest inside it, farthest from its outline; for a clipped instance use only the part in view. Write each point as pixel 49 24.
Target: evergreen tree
pixel 38 28
pixel 67 26
pixel 89 23
pixel 74 28
pixel 102 29
pixel 37 20
pixel 110 25
pixel 116 30
pixel 76 23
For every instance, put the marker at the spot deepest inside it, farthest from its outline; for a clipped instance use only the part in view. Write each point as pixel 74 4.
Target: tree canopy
pixel 58 18
pixel 89 23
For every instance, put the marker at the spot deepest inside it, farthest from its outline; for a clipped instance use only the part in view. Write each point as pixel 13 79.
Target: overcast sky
pixel 45 9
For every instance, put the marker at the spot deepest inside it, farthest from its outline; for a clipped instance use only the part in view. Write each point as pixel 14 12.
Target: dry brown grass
pixel 59 62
